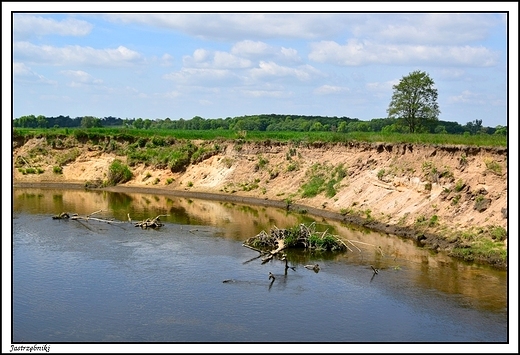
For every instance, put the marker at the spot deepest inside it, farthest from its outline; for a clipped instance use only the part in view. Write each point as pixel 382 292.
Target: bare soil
pixel 431 193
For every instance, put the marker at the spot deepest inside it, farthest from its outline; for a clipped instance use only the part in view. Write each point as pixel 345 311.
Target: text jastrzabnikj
pixel 31 348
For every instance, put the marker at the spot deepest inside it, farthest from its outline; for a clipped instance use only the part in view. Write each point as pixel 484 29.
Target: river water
pixel 192 281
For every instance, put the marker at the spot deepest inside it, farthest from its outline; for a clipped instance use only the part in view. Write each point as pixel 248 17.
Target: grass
pixel 132 135
pixel 323 178
pixel 31 171
pixel 459 185
pixel 493 166
pixel 118 173
pixel 480 243
pixel 481 249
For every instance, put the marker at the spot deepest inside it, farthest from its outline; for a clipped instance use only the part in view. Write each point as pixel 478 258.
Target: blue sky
pixel 181 65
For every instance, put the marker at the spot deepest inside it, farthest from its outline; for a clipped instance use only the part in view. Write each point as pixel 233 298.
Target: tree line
pixel 412 109
pixel 263 122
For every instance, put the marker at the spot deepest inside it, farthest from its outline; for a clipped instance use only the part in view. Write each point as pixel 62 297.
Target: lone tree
pixel 414 101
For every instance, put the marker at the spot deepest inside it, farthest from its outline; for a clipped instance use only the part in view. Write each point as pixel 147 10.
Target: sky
pixel 226 64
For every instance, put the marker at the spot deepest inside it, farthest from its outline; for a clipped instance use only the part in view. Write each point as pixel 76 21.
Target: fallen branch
pixel 354 245
pixel 148 223
pixel 93 213
pixel 375 246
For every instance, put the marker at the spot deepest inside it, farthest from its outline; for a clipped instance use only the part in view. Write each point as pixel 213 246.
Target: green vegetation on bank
pixel 132 135
pixel 177 149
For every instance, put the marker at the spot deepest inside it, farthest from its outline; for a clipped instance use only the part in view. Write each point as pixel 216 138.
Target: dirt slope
pixel 433 189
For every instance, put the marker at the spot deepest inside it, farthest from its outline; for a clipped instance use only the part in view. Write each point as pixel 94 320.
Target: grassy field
pixel 304 137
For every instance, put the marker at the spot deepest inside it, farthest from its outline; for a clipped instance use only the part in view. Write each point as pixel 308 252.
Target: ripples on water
pixel 79 281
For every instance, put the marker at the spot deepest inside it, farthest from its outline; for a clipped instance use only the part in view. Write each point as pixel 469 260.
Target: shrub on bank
pixel 118 173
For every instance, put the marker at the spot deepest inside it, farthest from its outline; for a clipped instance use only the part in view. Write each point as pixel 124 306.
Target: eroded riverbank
pixel 448 199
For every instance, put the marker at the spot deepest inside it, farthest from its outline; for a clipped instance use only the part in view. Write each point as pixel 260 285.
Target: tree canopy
pixel 414 101
pixel 263 122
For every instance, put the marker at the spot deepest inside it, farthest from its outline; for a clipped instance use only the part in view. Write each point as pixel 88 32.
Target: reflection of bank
pixel 239 222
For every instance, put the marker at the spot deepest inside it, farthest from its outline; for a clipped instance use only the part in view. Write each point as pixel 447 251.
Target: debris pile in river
pixel 300 236
pixel 149 223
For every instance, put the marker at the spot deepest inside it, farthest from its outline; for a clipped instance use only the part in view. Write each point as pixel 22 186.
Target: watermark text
pixel 30 348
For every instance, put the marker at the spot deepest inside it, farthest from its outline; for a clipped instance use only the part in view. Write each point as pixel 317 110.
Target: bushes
pixel 323 178
pixel 118 173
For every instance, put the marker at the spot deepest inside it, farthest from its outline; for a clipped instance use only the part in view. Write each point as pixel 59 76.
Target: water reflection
pixel 395 258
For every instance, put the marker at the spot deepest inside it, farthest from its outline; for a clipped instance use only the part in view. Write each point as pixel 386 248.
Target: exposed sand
pixel 394 200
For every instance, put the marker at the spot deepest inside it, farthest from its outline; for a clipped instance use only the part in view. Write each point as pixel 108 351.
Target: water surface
pixel 89 281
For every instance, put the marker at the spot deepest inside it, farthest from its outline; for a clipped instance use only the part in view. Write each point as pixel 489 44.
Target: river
pixel 192 281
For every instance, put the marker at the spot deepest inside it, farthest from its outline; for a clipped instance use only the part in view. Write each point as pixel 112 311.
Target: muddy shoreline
pixel 426 240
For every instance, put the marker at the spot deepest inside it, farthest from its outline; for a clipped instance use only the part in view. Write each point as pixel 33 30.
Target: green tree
pixel 500 130
pixel 90 121
pixel 414 101
pixel 138 123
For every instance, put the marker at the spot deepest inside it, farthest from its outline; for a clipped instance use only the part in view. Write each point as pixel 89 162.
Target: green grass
pixel 480 243
pixel 118 173
pixel 133 135
pixel 494 167
pixel 482 248
pixel 323 178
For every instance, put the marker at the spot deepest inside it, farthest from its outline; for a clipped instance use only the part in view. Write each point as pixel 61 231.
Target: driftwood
pixel 150 223
pixel 301 236
pixel 271 244
pixel 147 223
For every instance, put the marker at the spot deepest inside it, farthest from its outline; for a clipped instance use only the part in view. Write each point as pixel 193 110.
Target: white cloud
pixel 356 53
pixel 26 74
pixel 45 54
pixel 250 48
pixel 330 89
pixel 166 60
pixel 261 50
pixel 386 86
pixel 277 94
pixel 21 69
pixel 25 26
pixel 450 74
pixel 80 77
pixel 290 54
pixel 226 60
pixel 426 28
pixel 271 69
pixel 199 55
pixel 474 98
pixel 204 102
pixel 205 76
pixel 202 58
pixel 237 26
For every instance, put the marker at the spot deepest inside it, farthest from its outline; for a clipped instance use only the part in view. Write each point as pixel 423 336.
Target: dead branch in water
pixel 147 223
pixel 150 223
pixel 378 248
